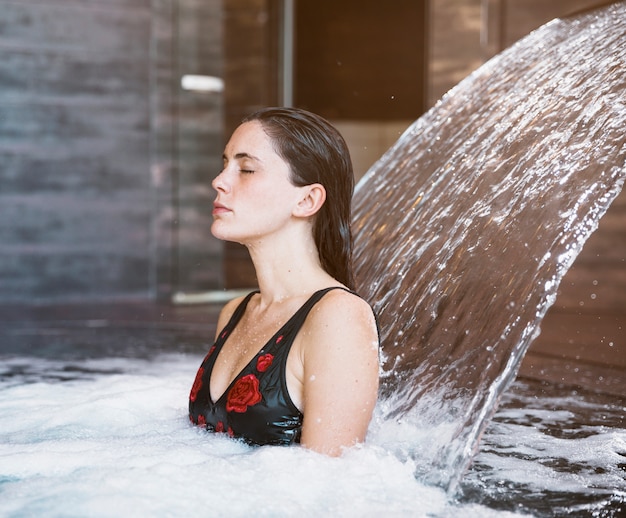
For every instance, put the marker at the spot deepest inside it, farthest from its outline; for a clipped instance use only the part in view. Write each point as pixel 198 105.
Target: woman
pixel 296 361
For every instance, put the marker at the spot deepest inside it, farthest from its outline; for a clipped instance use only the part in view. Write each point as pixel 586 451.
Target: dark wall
pixel 583 336
pixel 189 141
pixel 105 163
pixel 361 59
pixel 251 82
pixel 506 21
pixel 75 198
pixel 250 58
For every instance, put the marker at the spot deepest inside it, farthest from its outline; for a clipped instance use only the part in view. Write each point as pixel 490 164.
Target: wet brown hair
pixel 317 153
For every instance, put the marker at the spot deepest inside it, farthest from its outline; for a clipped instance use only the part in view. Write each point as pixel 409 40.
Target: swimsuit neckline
pixel 234 320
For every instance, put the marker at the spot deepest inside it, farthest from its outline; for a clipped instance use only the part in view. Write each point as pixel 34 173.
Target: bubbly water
pixel 553 451
pixel 121 444
pixel 110 437
pixel 465 227
pixel 464 230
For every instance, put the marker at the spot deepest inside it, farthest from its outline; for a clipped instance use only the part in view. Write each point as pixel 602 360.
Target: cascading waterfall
pixel 465 227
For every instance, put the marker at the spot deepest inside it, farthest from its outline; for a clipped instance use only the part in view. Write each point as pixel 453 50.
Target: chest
pixel 243 346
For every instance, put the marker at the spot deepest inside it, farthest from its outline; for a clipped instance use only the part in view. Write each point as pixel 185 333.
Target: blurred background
pixel 114 115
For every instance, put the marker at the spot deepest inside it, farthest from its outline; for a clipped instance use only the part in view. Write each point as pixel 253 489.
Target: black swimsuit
pixel 256 406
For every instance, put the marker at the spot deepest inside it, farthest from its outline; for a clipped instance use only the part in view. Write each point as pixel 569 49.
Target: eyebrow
pixel 239 156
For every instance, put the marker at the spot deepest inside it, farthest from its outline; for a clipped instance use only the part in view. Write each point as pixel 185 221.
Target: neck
pixel 288 266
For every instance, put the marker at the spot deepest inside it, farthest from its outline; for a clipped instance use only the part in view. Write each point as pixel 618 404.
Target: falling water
pixel 466 226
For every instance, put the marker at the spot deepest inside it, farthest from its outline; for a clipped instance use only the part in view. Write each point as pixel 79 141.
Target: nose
pixel 220 182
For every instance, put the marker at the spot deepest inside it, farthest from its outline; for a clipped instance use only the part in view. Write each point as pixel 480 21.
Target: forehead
pixel 249 138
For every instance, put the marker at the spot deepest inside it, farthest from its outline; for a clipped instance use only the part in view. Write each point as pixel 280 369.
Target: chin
pixel 223 235
pixel 218 233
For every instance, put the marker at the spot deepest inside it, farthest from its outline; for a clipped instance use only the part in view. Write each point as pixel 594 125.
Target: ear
pixel 311 201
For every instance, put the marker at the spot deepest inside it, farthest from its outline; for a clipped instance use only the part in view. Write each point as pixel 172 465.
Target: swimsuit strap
pixel 239 311
pixel 296 321
pixel 299 316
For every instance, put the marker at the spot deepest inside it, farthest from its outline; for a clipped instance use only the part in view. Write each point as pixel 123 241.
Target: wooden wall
pixel 361 60
pixel 105 164
pixel 251 61
pixel 188 140
pixel 506 21
pixel 251 76
pixel 75 198
pixel 583 336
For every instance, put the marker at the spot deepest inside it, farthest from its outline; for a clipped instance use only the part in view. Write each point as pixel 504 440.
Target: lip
pixel 218 208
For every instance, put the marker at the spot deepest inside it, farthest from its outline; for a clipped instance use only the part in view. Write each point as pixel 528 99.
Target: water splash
pixel 466 226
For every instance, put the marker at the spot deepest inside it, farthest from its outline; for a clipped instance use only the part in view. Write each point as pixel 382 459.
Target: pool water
pixel 553 451
pixel 110 437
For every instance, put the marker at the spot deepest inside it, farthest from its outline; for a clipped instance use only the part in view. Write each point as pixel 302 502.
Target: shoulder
pixel 339 372
pixel 340 354
pixel 342 314
pixel 340 303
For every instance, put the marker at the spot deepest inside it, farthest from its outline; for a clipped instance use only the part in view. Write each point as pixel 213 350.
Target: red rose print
pixel 230 432
pixel 243 394
pixel 219 427
pixel 223 335
pixel 201 420
pixel 263 363
pixel 278 340
pixel 197 385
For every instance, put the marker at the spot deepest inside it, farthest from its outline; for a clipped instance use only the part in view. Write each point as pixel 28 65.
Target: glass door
pixel 198 140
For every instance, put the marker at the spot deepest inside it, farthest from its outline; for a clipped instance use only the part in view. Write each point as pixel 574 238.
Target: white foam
pixel 121 444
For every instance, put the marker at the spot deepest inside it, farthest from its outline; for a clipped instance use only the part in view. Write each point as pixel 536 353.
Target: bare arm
pixel 340 380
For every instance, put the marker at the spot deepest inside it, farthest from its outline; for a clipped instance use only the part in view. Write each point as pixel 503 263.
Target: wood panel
pixel 452 58
pixel 583 336
pixel 107 164
pixel 250 58
pixel 361 60
pixel 251 36
pixel 75 203
pixel 506 21
pixel 200 144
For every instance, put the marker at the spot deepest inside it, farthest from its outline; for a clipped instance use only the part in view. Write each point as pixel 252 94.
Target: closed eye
pixel 247 171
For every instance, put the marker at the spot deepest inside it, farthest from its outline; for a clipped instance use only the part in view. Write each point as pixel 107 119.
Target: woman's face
pixel 255 197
